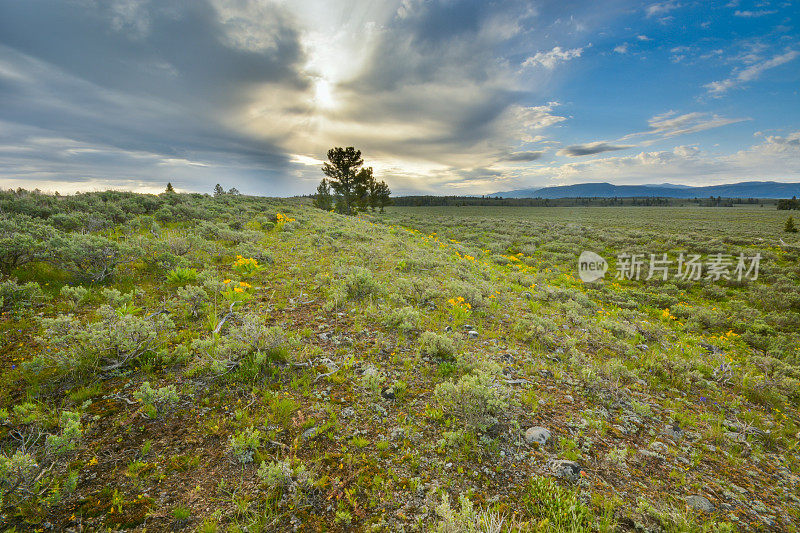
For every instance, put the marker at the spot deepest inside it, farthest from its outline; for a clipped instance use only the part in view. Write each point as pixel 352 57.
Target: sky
pixel 441 97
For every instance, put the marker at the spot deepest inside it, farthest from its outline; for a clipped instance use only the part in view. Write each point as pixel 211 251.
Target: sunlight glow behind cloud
pixel 441 96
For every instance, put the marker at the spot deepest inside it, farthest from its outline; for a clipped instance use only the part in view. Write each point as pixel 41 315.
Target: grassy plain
pixel 256 364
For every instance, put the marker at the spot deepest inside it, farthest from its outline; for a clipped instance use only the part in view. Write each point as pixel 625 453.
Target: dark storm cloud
pixel 523 156
pixel 157 77
pixel 577 150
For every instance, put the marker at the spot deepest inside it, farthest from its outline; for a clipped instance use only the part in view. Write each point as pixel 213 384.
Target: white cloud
pixel 754 14
pixel 657 10
pixel 671 124
pixel 622 48
pixel 776 158
pixel 550 59
pixel 751 73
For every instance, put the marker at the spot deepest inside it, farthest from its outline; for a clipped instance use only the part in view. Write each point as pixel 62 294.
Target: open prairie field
pixel 184 362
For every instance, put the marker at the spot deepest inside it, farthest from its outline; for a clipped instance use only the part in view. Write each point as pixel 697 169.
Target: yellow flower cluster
pixel 281 218
pixel 459 302
pixel 241 261
pixel 247 266
pixel 242 287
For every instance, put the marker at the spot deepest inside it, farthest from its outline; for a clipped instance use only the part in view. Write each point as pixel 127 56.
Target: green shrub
pixel 404 319
pixel 359 284
pixel 467 519
pixel 71 433
pixel 110 343
pixel 17 473
pixel 195 298
pixel 155 401
pixel 87 257
pixel 559 508
pixel 474 400
pixel 250 341
pixel 16 297
pixel 243 444
pixel 435 345
pixel 75 295
pixel 22 240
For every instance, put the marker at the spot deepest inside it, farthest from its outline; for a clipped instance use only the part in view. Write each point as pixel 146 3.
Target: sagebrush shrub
pixel 474 400
pixel 195 298
pixel 70 435
pixel 359 284
pixel 87 257
pixel 22 240
pixel 435 345
pixel 16 297
pixel 404 318
pixel 156 400
pixel 111 342
pixel 250 338
pixel 467 519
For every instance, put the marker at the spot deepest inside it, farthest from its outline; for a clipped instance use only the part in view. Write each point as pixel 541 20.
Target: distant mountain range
pixel 747 189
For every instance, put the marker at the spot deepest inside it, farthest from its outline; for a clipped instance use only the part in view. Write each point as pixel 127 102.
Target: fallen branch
pixel 328 363
pixel 225 318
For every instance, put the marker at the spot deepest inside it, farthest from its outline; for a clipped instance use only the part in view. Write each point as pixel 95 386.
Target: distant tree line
pixel 457 201
pixel 348 188
pixel 787 205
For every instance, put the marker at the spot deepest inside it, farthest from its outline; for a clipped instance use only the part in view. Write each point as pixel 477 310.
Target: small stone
pixel 388 393
pixel 569 470
pixel 310 433
pixel 472 334
pixel 674 432
pixel 538 435
pixel 348 412
pixel 700 503
pixel 468 327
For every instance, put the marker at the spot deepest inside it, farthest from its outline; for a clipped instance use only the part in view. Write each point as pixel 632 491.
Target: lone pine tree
pixel 354 188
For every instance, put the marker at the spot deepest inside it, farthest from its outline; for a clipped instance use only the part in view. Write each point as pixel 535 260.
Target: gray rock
pixel 673 432
pixel 472 334
pixel 538 435
pixel 347 412
pixel 700 503
pixel 569 470
pixel 309 434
